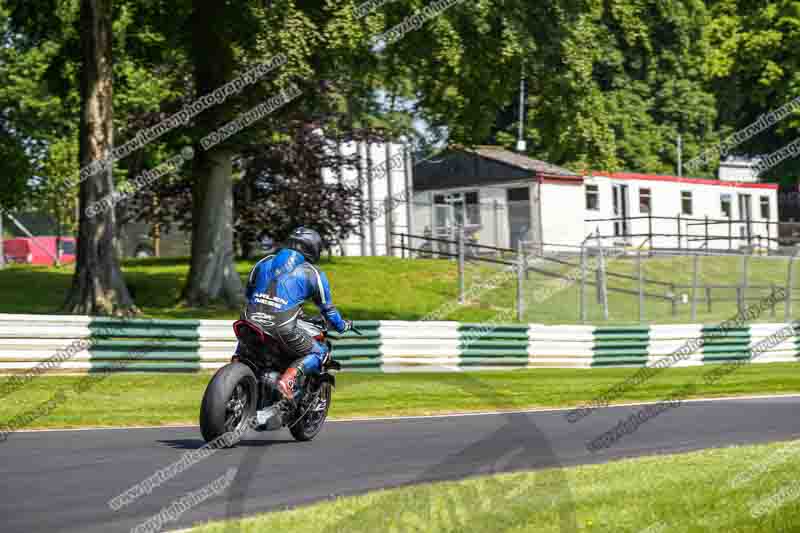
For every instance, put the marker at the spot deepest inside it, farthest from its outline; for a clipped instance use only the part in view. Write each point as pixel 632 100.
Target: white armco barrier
pixel 681 340
pixel 44 326
pixel 77 344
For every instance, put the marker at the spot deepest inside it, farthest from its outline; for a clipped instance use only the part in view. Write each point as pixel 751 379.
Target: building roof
pixel 681 179
pixel 515 159
pixel 461 166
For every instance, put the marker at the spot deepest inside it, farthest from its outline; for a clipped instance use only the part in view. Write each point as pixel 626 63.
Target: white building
pixel 496 191
pixel 673 210
pixel 509 196
pixel 384 177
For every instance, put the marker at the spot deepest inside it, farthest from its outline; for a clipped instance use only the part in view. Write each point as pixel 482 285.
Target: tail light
pixel 248 333
pixel 254 337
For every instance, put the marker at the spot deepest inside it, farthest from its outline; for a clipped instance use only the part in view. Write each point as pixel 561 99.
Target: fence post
pixel 403 245
pixel 739 302
pixel 496 228
pixel 695 269
pixel 680 242
pixel 749 228
pixel 772 312
pixel 641 285
pixel 583 283
pixel 745 260
pixel 730 234
pixel 525 260
pixel 787 311
pixel 769 240
pixel 674 301
pixel 650 230
pixel 708 298
pixel 461 264
pixel 706 234
pixel 520 283
pixel 387 208
pixel 602 285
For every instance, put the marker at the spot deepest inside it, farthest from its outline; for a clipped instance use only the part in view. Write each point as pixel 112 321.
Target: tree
pixel 212 273
pixel 15 170
pixel 283 187
pixel 41 103
pixel 97 285
pixel 753 65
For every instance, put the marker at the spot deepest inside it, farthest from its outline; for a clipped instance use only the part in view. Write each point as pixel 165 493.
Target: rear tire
pixel 310 425
pixel 229 402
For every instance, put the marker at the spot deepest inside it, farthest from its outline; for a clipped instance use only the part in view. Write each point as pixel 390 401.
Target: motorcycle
pixel 244 395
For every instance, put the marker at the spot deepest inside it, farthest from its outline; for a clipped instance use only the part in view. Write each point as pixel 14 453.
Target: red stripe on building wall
pixel 678 179
pixel 560 180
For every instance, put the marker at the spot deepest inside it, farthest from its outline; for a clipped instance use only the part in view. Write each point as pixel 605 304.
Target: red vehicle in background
pixel 40 252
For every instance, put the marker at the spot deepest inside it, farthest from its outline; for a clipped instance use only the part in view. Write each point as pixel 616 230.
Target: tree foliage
pixel 283 187
pixel 611 85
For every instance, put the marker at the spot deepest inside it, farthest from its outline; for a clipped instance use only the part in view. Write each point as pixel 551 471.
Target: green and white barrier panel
pixel 80 344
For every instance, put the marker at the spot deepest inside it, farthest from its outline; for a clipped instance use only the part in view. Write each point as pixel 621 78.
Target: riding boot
pixel 287 385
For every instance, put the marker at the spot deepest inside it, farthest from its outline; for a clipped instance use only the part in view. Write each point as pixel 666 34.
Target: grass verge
pixel 421 286
pixel 693 492
pixel 359 288
pixel 153 399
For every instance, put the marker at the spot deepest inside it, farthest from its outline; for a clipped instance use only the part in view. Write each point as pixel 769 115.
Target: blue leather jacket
pixel 285 280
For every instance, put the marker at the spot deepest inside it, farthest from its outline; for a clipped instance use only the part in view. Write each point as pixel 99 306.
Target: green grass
pixel 381 288
pixel 148 399
pixel 376 288
pixel 686 493
pixel 563 306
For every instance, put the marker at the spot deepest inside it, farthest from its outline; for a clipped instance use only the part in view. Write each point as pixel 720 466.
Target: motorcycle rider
pixel 278 286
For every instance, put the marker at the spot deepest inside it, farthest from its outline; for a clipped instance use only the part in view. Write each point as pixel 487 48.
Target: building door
pixel 443 227
pixel 443 220
pixel 745 217
pixel 519 216
pixel 619 201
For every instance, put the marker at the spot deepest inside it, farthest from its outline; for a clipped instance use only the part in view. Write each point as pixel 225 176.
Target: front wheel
pixel 315 412
pixel 229 403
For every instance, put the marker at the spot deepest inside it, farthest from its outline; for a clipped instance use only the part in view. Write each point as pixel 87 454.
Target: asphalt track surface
pixel 62 480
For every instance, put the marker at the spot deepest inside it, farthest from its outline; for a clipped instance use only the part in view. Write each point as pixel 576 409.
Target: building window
pixel 686 202
pixel 765 207
pixel 473 207
pixel 644 200
pixel 518 194
pixel 725 205
pixel 466 208
pixel 592 198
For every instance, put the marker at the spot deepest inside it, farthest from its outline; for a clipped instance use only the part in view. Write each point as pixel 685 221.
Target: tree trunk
pixel 97 285
pixel 246 244
pixel 212 275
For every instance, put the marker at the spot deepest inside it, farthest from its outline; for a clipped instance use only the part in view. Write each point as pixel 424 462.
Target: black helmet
pixel 307 242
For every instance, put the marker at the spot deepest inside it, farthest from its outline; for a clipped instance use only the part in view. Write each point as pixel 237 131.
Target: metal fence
pixel 602 282
pixel 686 233
pixel 490 223
pixel 606 284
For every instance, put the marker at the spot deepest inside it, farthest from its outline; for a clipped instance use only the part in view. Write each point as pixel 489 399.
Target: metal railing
pixel 596 268
pixel 770 238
